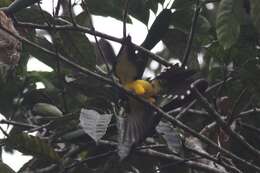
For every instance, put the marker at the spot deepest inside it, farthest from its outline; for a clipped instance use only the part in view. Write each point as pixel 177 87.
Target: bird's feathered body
pixel 138 121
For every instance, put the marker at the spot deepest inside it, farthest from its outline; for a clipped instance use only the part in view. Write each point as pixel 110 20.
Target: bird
pixel 138 120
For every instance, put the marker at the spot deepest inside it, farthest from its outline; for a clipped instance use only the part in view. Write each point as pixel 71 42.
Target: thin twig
pixel 97 43
pixel 209 157
pixel 4 132
pixel 153 107
pixel 19 124
pixel 125 18
pixel 192 111
pixel 250 127
pixel 203 101
pixel 188 163
pixel 191 35
pixel 57 9
pixel 185 110
pixel 71 15
pixel 247 113
pixel 87 30
pixel 90 158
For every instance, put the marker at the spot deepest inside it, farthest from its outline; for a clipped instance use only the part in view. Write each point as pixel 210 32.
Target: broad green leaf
pixel 182 20
pixel 249 74
pixel 229 16
pixel 49 79
pixel 5 3
pixel 114 8
pixel 83 19
pixel 255 8
pixel 94 124
pixel 111 8
pixel 32 145
pixel 45 109
pixel 34 15
pixel 8 92
pixel 153 5
pixel 137 8
pixel 41 55
pixel 4 168
pixel 176 41
pixel 158 29
pixel 180 4
pixel 77 47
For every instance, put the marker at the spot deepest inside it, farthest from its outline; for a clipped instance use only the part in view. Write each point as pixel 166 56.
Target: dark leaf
pixel 195 144
pixel 114 8
pixel 32 145
pixel 111 8
pixel 42 56
pixel 18 5
pixel 78 48
pixel 138 9
pixel 255 8
pixel 171 136
pixel 5 3
pixel 34 15
pixel 180 4
pixel 182 20
pixel 250 73
pixel 158 29
pixel 107 52
pixel 5 168
pixel 229 16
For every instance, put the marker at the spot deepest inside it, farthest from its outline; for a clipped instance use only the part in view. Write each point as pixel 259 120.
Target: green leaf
pixel 47 78
pixel 4 168
pixel 111 8
pixel 153 5
pixel 5 3
pixel 45 109
pixel 249 74
pixel 41 55
pixel 8 92
pixel 83 19
pixel 158 29
pixel 228 22
pixel 180 4
pixel 77 47
pixel 32 145
pixel 182 20
pixel 34 15
pixel 114 8
pixel 255 8
pixel 139 10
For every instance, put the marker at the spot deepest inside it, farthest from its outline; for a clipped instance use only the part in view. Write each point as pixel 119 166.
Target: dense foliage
pixel 75 114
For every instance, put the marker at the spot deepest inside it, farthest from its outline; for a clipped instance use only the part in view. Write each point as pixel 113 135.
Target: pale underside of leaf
pixel 94 124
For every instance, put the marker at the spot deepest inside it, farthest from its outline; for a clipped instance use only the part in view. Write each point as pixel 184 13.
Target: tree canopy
pixel 205 120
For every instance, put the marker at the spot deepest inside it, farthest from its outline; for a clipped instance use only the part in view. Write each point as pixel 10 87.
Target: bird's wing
pixel 125 68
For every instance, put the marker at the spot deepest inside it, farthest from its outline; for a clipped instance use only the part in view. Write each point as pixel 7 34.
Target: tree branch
pixel 191 35
pixel 203 101
pixel 70 27
pixel 151 106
